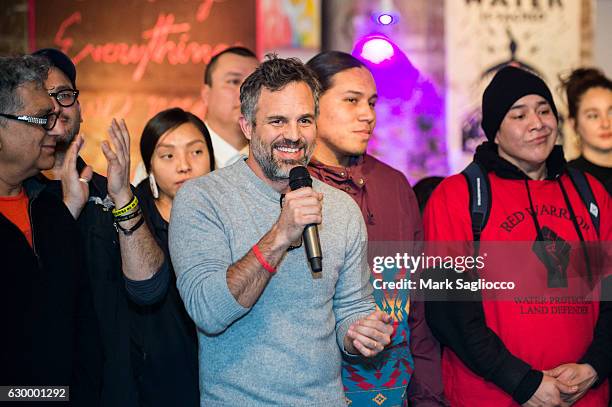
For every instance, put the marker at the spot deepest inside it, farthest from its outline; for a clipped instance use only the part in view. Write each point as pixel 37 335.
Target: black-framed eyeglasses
pixel 66 97
pixel 47 121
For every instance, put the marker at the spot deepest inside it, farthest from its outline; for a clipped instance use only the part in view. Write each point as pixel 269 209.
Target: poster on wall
pixel 482 36
pixel 135 58
pixel 290 28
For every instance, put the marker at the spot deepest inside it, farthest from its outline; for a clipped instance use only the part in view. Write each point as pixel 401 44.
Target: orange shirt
pixel 15 209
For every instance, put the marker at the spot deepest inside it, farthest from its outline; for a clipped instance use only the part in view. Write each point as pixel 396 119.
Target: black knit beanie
pixel 59 60
pixel 509 85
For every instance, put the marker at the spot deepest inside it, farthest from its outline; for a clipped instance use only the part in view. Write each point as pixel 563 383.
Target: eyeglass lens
pixel 51 120
pixel 66 98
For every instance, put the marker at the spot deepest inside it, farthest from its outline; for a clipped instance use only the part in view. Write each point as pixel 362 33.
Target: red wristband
pixel 263 261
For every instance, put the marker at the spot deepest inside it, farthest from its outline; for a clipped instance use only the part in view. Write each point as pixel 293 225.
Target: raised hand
pixel 118 158
pixel 75 186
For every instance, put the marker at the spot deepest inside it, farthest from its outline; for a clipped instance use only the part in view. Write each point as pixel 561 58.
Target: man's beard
pixel 62 146
pixel 63 143
pixel 276 169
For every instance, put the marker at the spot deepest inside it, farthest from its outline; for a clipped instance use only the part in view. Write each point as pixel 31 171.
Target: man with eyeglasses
pixel 47 121
pixel 125 264
pixel 60 85
pixel 50 335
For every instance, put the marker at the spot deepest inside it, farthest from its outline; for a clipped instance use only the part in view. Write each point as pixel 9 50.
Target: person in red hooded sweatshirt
pixel 493 355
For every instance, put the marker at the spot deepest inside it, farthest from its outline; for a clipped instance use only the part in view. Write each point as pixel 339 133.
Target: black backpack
pixel 480 196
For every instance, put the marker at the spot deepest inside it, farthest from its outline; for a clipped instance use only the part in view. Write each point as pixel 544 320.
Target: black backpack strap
pixel 480 197
pixel 586 194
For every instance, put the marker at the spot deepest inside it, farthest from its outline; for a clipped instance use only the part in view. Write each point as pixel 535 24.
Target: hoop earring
pixel 153 186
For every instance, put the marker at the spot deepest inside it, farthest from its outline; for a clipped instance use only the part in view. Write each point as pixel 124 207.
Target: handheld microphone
pixel 300 178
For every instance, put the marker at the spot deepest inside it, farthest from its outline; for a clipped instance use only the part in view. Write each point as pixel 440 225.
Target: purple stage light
pixel 394 73
pixel 385 19
pixel 410 134
pixel 377 50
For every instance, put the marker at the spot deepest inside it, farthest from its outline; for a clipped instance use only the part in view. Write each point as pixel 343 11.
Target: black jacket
pixel 117 302
pixel 166 360
pixel 49 334
pixel 603 174
pixel 103 261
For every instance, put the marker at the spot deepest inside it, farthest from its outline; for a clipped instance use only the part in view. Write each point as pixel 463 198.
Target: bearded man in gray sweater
pixel 269 333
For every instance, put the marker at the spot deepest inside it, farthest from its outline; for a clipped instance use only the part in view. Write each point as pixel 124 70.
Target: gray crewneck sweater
pixel 286 349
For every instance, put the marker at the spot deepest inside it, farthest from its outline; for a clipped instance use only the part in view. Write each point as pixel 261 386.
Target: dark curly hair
pixel 578 82
pixel 274 74
pixel 15 72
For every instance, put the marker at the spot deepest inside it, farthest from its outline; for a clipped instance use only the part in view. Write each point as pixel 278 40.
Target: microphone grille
pixel 299 178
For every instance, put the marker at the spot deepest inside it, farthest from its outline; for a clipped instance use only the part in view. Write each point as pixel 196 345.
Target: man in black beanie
pixel 126 266
pixel 508 86
pixel 494 353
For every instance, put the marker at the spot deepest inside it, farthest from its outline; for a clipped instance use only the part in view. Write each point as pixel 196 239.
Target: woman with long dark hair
pixel 175 147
